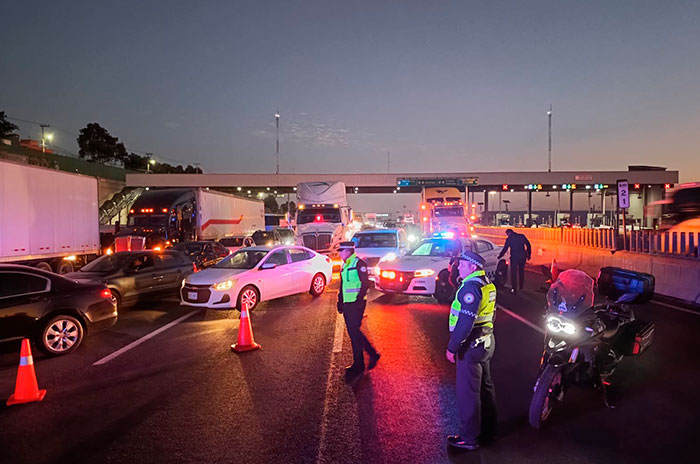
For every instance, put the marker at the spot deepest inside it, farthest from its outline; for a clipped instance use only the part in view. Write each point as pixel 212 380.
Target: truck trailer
pixel 48 219
pixel 160 218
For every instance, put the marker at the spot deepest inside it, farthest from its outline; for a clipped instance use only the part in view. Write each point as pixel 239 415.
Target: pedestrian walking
pixel 471 346
pixel 520 253
pixel 354 285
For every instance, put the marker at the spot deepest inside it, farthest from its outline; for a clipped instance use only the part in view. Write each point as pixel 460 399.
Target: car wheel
pixel 444 292
pixel 318 285
pixel 64 267
pixel 499 279
pixel 249 296
pixel 61 335
pixel 116 298
pixel 44 266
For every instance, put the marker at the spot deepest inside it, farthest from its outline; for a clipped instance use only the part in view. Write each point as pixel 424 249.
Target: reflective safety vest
pixel 487 306
pixel 351 279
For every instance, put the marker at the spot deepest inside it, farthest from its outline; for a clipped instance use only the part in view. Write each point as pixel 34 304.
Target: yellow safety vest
pixel 487 305
pixel 351 279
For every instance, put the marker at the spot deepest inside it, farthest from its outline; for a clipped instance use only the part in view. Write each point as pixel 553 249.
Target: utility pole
pixel 388 162
pixel 43 138
pixel 549 134
pixel 277 130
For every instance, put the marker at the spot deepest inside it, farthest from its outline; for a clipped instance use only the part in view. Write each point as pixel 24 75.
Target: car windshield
pixel 190 249
pixel 375 241
pixel 232 241
pixel 108 263
pixel 449 211
pixel 286 233
pixel 261 237
pixel 318 215
pixel 242 259
pixel 437 247
pixel 147 220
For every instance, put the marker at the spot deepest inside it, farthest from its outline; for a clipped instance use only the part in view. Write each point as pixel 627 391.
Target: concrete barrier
pixel 676 277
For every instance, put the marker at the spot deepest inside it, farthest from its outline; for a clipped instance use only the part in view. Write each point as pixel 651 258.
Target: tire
pixel 444 292
pixel 117 298
pixel 501 276
pixel 64 267
pixel 318 285
pixel 60 335
pixel 543 400
pixel 44 266
pixel 248 294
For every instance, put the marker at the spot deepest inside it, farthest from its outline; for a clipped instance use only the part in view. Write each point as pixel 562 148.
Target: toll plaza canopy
pixel 638 177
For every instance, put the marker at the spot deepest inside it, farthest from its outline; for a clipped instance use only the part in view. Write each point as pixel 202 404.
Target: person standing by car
pixel 471 347
pixel 354 284
pixel 520 253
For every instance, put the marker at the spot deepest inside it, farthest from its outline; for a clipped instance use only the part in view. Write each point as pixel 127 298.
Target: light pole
pixel 151 162
pixel 277 148
pixel 549 137
pixel 45 137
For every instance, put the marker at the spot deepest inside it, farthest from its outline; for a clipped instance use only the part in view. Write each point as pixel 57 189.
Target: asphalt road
pixel 183 396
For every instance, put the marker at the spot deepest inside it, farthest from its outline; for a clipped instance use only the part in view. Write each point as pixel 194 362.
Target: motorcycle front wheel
pixel 547 393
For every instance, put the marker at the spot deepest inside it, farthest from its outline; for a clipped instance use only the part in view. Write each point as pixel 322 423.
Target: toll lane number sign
pixel 623 194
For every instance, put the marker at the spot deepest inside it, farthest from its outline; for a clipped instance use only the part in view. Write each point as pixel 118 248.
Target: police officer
pixel 354 285
pixel 471 346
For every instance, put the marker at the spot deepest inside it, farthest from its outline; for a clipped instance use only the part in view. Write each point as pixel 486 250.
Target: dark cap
pixel 346 246
pixel 473 258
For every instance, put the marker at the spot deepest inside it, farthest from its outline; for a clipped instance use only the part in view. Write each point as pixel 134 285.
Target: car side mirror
pixel 267 266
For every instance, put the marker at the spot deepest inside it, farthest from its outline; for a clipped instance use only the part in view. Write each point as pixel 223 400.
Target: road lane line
pixel 137 342
pixel 332 374
pixel 521 319
pixel 689 311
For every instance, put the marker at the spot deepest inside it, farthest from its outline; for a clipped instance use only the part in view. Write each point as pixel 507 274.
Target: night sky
pixel 442 85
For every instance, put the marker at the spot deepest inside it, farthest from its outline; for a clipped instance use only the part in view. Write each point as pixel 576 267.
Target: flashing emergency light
pixel 319 218
pixel 444 234
pixel 422 206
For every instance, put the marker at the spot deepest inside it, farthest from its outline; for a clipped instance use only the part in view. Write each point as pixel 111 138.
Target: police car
pixel 425 269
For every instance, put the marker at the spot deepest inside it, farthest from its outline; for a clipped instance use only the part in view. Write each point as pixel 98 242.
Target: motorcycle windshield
pixel 571 294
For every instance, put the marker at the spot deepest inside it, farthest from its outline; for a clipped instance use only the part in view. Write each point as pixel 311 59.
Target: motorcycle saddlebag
pixel 613 282
pixel 635 338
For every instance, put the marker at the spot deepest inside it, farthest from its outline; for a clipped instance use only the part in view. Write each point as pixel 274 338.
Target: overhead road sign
pixel 437 181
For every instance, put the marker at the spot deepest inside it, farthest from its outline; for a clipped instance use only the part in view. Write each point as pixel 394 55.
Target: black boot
pixel 458 442
pixel 373 361
pixel 354 370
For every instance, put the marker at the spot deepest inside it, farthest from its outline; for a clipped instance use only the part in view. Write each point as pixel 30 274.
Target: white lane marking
pixel 689 311
pixel 521 319
pixel 332 374
pixel 136 343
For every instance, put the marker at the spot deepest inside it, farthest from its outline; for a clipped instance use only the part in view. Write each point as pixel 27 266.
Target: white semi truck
pixel 159 218
pixel 48 219
pixel 324 218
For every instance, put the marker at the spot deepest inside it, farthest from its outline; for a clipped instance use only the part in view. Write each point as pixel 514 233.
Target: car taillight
pixel 194 267
pixel 328 260
pixel 106 293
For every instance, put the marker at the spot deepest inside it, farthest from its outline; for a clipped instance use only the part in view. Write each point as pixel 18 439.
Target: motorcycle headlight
pixel 556 325
pixel 225 285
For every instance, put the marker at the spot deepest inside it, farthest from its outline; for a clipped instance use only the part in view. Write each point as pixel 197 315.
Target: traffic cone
pixel 26 388
pixel 245 342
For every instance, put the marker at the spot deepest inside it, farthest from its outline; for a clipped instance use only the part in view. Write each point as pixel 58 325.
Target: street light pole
pixel 549 136
pixel 277 131
pixel 43 138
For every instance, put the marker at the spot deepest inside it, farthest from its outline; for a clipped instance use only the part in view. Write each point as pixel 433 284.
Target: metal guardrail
pixel 676 244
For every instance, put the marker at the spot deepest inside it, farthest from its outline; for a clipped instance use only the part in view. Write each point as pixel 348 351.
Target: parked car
pixel 424 270
pixel 287 236
pixel 267 238
pixel 204 253
pixel 134 276
pixel 256 274
pixel 378 244
pixel 54 311
pixel 234 244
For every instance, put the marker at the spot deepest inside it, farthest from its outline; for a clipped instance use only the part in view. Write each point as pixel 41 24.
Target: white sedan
pixel 256 274
pixel 424 270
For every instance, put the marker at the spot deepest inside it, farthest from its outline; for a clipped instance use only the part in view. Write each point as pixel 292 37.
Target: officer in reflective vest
pixel 471 346
pixel 354 284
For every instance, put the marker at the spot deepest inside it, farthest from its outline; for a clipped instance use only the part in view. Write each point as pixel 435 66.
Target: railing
pixel 680 244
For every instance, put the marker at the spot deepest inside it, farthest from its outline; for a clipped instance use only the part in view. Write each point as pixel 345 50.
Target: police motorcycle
pixel 585 342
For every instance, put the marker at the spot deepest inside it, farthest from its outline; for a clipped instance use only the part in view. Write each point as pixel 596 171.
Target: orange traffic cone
pixel 26 388
pixel 245 342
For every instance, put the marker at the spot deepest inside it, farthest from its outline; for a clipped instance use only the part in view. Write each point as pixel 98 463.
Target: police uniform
pixel 472 341
pixel 354 285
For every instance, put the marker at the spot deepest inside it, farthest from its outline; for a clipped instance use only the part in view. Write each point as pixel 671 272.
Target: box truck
pixel 159 218
pixel 48 218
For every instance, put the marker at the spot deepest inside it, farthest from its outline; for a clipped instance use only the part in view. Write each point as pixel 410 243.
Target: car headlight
pixel 225 285
pixel 555 324
pixel 423 273
pixel 391 256
pixel 412 238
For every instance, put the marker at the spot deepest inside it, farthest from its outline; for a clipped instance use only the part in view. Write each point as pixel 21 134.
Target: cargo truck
pixel 48 219
pixel 160 218
pixel 443 211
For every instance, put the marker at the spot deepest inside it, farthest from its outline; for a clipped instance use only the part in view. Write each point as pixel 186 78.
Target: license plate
pixel 192 295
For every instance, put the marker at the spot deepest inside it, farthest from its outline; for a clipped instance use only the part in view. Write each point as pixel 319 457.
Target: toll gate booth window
pixel 147 220
pixel 243 259
pixel 376 241
pixel 318 215
pixel 449 212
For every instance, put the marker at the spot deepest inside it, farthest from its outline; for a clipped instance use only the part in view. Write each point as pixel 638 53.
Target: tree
pixel 271 205
pixel 97 144
pixel 6 127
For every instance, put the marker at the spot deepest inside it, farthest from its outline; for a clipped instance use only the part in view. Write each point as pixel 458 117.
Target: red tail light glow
pixel 389 275
pixel 194 267
pixel 106 293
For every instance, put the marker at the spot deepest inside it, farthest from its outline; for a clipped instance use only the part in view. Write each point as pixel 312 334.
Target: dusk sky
pixel 442 85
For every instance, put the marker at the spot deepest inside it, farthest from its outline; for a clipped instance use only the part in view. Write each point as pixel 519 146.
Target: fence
pixel 678 244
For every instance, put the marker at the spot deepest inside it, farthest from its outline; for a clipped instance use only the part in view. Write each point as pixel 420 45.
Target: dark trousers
pixel 353 313
pixel 476 394
pixel 517 273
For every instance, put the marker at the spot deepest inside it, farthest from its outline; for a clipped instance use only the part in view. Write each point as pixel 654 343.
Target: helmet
pixel 474 258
